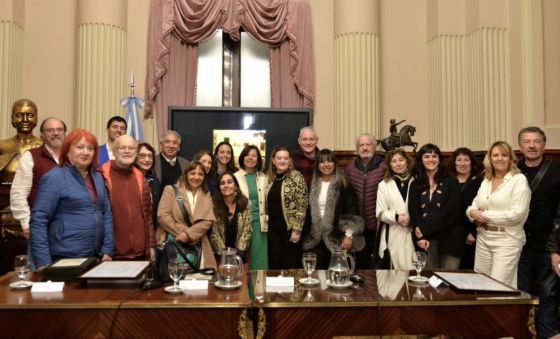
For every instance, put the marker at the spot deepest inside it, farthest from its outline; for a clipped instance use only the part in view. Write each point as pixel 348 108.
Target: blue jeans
pixel 536 265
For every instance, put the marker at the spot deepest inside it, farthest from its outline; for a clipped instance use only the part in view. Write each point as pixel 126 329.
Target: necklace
pixel 280 177
pixel 402 178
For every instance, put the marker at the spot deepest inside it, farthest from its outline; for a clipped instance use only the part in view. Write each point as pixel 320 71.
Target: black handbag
pixel 384 262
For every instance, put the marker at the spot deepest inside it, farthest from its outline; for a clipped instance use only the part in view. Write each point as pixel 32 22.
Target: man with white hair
pixel 304 156
pixel 365 173
pixel 168 164
pixel 131 203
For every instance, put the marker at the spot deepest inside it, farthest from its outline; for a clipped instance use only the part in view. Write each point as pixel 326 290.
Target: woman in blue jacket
pixel 71 217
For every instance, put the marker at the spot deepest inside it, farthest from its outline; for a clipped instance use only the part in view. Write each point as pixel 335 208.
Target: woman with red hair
pixel 71 217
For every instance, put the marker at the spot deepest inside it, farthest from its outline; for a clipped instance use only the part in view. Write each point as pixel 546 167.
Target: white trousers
pixel 497 255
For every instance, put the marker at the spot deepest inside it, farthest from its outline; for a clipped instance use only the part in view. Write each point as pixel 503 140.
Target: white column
pixel 102 77
pixel 11 59
pixel 357 93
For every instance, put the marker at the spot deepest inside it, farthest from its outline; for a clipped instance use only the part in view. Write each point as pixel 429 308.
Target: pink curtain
pixel 178 26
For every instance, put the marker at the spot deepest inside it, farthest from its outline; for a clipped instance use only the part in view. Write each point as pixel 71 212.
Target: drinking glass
pixel 176 271
pixel 309 262
pixel 419 261
pixel 418 295
pixel 21 266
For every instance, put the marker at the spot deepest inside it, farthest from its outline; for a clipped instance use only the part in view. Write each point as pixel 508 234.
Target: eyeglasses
pixel 145 155
pixel 52 130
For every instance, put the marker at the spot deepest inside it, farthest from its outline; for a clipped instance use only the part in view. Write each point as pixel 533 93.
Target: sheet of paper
pixel 198 276
pixel 434 281
pixel 48 286
pixel 474 282
pixel 117 269
pixel 69 262
pixel 279 281
pixel 192 284
pixel 279 284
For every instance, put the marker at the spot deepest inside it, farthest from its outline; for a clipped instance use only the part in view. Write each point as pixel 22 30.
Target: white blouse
pixel 323 192
pixel 507 206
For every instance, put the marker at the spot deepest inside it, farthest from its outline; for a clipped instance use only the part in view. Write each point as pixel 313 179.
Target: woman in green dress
pixel 252 182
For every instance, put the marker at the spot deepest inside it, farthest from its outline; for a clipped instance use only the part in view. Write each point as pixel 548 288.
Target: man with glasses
pixel 131 203
pixel 116 126
pixel 33 165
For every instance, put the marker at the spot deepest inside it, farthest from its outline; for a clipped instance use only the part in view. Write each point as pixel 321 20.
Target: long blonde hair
pixel 504 146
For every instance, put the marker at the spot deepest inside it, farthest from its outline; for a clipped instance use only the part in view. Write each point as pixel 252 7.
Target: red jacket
pixel 146 202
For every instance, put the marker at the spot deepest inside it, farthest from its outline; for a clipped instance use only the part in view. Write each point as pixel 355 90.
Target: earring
pixel 235 193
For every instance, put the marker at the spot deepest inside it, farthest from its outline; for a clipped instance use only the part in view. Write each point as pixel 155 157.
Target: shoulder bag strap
pixel 540 174
pixel 181 203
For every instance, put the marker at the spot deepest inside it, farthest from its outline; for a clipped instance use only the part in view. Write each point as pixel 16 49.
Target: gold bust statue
pixel 24 120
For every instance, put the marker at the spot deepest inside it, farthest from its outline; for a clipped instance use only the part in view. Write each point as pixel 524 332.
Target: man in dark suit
pixel 168 165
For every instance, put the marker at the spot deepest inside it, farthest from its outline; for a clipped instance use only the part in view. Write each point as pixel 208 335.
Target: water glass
pixel 309 261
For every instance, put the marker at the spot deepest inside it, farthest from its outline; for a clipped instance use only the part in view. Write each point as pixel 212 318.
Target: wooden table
pixel 385 304
pixel 388 304
pixel 81 312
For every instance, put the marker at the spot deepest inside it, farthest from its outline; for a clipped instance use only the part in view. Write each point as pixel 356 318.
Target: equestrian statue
pixel 399 139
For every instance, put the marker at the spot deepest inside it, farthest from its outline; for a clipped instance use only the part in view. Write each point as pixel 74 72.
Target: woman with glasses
pixel 145 163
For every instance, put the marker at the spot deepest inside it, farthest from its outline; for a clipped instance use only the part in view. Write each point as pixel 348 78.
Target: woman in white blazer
pixel 252 183
pixel 392 209
pixel 499 210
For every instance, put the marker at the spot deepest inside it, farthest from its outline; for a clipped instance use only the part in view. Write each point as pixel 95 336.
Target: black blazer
pixel 438 218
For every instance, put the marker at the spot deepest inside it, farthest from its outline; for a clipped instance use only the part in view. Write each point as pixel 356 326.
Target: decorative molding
pixel 357 90
pixel 468 89
pixel 101 76
pixel 11 58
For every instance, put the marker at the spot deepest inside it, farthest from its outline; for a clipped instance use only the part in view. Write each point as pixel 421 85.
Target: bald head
pixel 124 150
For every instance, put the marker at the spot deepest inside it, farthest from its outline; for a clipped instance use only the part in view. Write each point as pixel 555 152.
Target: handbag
pixel 384 262
pixel 173 248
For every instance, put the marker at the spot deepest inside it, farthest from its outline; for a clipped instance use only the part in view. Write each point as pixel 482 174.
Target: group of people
pixel 75 198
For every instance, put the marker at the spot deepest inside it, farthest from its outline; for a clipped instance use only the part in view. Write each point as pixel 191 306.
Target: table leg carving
pixel 531 322
pixel 261 324
pixel 242 324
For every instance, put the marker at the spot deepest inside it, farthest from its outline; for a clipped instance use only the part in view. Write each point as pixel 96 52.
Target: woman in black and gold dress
pixel 286 198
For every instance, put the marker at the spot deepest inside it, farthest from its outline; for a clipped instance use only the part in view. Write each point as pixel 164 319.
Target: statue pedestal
pixel 12 242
